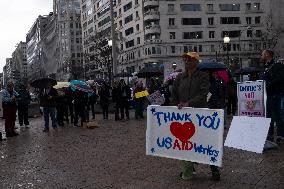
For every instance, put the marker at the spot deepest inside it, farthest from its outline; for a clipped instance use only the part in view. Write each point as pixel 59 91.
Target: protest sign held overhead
pixel 156 98
pixel 190 134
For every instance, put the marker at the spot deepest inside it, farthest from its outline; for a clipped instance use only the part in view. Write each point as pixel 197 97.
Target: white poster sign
pixel 156 98
pixel 251 98
pixel 190 134
pixel 248 133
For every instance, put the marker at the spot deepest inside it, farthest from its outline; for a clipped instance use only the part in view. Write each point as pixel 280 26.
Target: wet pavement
pixel 113 156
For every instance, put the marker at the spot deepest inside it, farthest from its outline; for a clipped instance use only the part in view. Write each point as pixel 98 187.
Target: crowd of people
pixel 192 88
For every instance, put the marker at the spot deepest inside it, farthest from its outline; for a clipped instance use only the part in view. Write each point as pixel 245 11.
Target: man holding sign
pixel 190 90
pixel 273 76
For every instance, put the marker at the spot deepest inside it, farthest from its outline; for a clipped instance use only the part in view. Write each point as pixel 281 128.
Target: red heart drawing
pixel 183 132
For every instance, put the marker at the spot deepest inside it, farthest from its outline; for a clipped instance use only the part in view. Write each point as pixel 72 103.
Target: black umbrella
pixel 123 74
pixel 148 72
pixel 43 82
pixel 210 65
pixel 247 70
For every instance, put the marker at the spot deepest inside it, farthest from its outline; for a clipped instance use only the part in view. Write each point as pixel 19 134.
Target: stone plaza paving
pixel 114 156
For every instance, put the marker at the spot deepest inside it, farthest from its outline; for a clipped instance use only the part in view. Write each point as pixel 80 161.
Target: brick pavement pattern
pixel 113 156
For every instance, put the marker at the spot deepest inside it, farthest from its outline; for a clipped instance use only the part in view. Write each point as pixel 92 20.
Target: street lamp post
pixel 240 61
pixel 113 37
pixel 226 42
pixel 174 66
pixel 111 59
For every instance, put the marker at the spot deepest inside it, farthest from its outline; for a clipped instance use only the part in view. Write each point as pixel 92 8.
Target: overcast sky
pixel 16 18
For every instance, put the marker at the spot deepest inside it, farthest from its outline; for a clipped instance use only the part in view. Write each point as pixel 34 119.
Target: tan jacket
pixel 192 88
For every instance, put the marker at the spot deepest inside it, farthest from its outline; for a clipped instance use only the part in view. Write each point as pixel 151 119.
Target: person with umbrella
pixel 24 100
pixel 116 98
pixel 125 97
pixel 190 90
pixel 9 99
pixel 104 99
pixel 48 97
pixel 80 103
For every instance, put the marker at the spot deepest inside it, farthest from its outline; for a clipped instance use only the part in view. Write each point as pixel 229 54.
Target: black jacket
pixel 274 77
pixel 24 97
pixel 48 99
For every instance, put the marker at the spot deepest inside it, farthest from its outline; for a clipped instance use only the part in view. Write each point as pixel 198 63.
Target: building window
pixel 137 27
pixel 171 8
pixel 127 7
pixel 138 40
pixel 137 14
pixel 191 21
pixel 230 20
pixel 190 7
pixel 231 34
pixel 172 35
pixel 128 19
pixel 129 44
pixel 210 8
pixel 256 6
pixel 249 33
pixel 173 49
pixel 248 6
pixel 229 7
pixel 211 21
pixel 129 31
pixel 257 20
pixel 171 21
pixel 212 48
pixel 248 20
pixel 154 50
pixel 192 35
pixel 200 48
pixel 211 34
pixel 258 33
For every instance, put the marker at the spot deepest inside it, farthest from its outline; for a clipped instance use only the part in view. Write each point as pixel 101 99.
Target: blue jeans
pixel 46 112
pixel 275 112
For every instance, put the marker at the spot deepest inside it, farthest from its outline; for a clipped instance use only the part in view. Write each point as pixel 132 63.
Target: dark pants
pixel 23 113
pixel 124 108
pixel 70 111
pixel 117 106
pixel 60 110
pixel 105 110
pixel 232 105
pixel 139 108
pixel 274 112
pixel 10 118
pixel 79 111
pixel 92 107
pixel 49 111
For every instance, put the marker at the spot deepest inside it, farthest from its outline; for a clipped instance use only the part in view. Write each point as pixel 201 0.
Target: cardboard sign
pixel 156 98
pixel 248 133
pixel 251 98
pixel 188 134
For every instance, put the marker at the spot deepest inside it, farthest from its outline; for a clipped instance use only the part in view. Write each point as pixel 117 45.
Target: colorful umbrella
pixel 81 86
pixel 60 85
pixel 96 82
pixel 172 76
pixel 224 75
